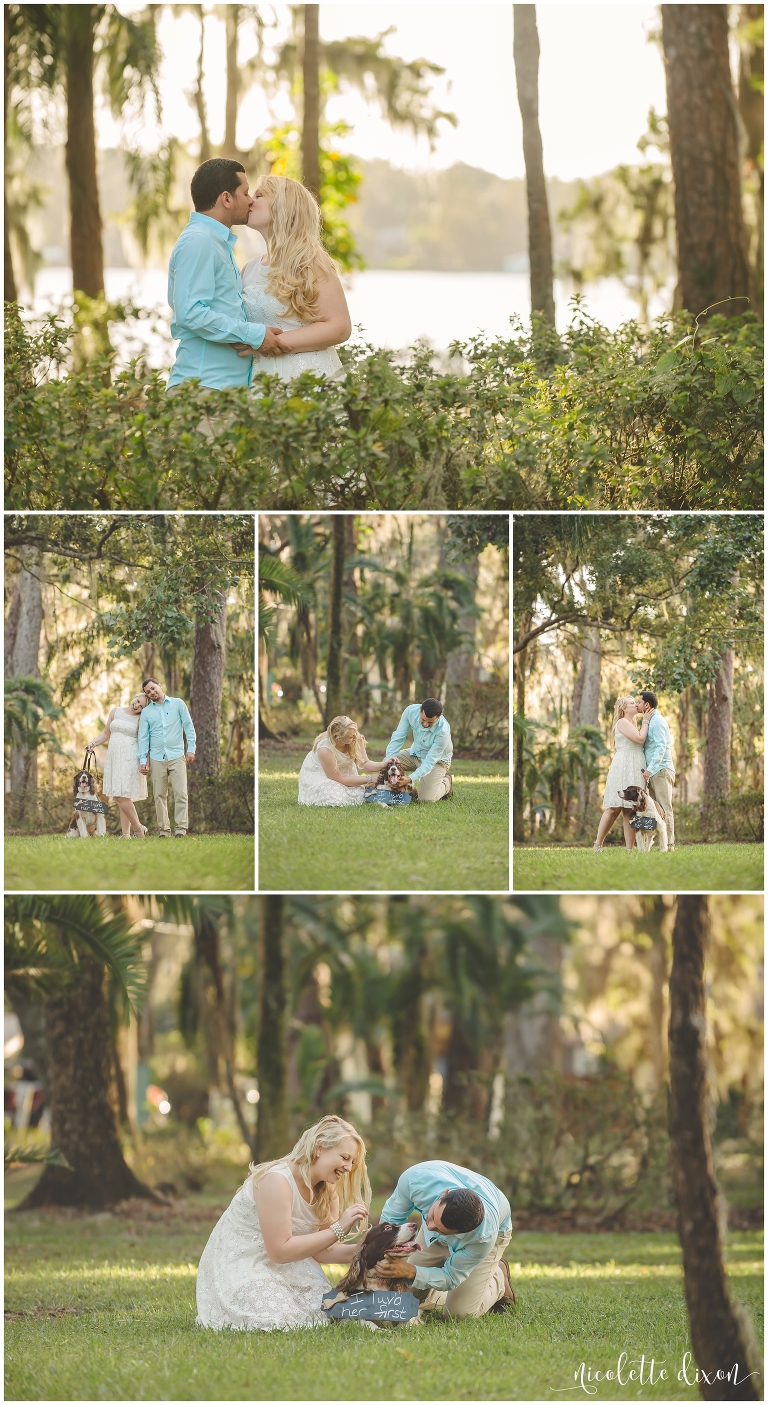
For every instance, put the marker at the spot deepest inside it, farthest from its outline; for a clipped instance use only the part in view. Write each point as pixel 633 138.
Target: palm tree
pixel 58 951
pixel 526 53
pixel 276 577
pixel 29 707
pixel 63 49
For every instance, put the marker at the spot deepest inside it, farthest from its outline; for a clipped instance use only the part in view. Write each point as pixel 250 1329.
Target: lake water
pixel 393 308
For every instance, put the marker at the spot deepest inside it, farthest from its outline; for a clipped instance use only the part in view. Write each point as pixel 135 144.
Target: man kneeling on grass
pixel 428 761
pixel 466 1226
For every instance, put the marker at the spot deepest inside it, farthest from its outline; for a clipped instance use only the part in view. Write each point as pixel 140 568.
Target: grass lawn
pixel 102 1307
pixel 697 868
pixel 460 844
pixel 220 862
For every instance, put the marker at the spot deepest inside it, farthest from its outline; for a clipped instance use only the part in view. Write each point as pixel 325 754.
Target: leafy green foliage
pixel 29 707
pixel 47 938
pixel 625 419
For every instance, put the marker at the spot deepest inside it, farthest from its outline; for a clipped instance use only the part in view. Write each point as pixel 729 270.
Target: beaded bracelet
pixel 338 1231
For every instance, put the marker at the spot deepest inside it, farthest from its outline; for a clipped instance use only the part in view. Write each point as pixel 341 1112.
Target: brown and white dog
pixel 384 1244
pixel 84 824
pixel 393 777
pixel 643 803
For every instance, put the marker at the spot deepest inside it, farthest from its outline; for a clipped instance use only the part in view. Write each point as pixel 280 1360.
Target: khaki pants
pixel 209 425
pixel 435 784
pixel 177 771
pixel 477 1294
pixel 660 787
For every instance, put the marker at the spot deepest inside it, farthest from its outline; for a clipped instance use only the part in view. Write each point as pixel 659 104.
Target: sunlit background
pixel 440 225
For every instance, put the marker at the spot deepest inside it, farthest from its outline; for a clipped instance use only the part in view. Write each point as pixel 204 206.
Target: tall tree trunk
pixel 310 128
pixel 712 246
pixel 334 689
pixel 717 755
pixel 720 1335
pixel 233 83
pixel 81 1086
pixel 585 711
pixel 526 52
pixel 751 108
pixel 199 95
pixel 518 784
pixel 411 1049
pixel 205 693
pixel 84 212
pixel 24 655
pixel 10 294
pixel 271 1050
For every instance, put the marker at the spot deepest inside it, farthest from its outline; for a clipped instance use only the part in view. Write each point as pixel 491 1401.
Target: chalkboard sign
pixel 376 1306
pixel 643 822
pixel 94 807
pixel 379 795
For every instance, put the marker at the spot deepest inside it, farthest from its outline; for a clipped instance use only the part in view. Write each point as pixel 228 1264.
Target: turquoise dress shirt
pixel 418 1188
pixel 206 298
pixel 430 744
pixel 161 730
pixel 658 746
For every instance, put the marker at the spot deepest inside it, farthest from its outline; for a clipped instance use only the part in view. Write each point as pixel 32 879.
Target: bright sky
pixel 599 74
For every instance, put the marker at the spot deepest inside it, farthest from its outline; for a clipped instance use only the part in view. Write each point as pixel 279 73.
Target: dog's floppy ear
pixel 355 1276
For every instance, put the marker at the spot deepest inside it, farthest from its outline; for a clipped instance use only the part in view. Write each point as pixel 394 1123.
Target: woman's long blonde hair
pixel 340 732
pixel 617 714
pixel 354 1188
pixel 298 263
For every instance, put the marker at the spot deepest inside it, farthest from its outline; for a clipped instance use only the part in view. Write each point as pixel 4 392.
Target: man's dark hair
pixel 212 179
pixel 149 680
pixel 432 708
pixel 461 1210
pixel 650 698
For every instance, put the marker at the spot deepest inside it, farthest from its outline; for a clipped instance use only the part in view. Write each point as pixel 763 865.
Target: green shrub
pixel 217 805
pixel 593 418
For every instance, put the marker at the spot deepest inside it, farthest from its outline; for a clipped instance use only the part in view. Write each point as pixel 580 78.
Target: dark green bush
pixel 591 419
pixel 217 805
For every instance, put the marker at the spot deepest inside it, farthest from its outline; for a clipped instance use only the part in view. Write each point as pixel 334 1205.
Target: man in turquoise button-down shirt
pixel 428 761
pixel 204 286
pixel 466 1225
pixel 659 767
pixel 162 727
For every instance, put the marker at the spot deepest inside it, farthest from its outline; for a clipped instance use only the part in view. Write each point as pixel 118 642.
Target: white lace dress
pixel 121 771
pixel 625 769
pixel 237 1283
pixel 261 306
pixel 315 788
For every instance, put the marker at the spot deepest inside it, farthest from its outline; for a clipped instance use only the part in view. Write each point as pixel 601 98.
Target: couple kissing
pixel 642 758
pixel 285 315
pixel 147 737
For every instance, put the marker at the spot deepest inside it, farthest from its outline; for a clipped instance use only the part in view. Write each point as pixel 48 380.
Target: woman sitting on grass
pixel 329 774
pixel 625 769
pixel 260 1270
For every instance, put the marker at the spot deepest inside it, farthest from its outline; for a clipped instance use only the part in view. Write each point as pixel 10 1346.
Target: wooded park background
pixel 96 603
pixel 606 606
pixel 366 614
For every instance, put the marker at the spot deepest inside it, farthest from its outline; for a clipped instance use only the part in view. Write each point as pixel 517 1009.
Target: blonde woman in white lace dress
pixel 294 286
pixel 625 769
pixel 123 782
pixel 260 1270
pixel 329 773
